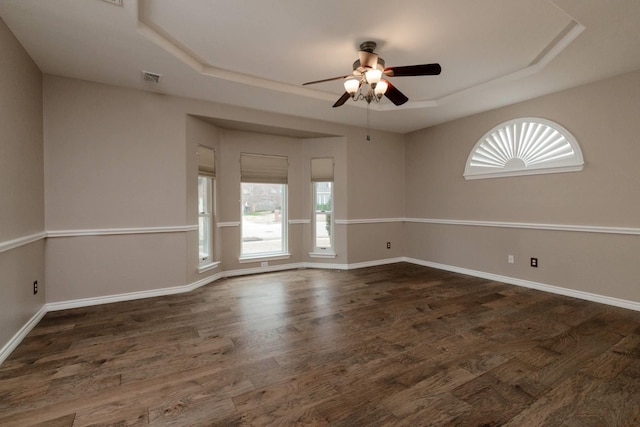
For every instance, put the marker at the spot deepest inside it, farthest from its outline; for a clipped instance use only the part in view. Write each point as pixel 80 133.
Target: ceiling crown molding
pixel 164 40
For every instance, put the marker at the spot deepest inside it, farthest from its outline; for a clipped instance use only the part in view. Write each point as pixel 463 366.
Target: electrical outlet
pixel 534 262
pixel 388 245
pixel 35 287
pixel 264 264
pixel 510 259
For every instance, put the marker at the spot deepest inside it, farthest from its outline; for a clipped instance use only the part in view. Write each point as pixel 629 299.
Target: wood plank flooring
pixel 396 345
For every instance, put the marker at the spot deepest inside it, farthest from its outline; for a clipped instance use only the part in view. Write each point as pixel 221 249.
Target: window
pixel 322 215
pixel 524 146
pixel 263 219
pixel 264 205
pixel 206 174
pixel 205 219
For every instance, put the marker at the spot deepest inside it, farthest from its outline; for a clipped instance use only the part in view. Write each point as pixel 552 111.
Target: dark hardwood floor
pixel 391 345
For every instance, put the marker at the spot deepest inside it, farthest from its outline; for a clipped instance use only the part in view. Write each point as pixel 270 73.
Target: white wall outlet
pixel 510 259
pixel 264 264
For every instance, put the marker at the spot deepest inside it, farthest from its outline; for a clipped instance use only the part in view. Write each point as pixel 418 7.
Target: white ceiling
pixel 257 53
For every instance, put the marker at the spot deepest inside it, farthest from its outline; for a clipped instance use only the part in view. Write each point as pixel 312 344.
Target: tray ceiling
pixel 256 54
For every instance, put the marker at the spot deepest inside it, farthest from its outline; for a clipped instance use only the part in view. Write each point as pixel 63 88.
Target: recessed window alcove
pixel 524 146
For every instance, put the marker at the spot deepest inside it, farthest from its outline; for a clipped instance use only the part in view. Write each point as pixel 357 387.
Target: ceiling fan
pixel 366 82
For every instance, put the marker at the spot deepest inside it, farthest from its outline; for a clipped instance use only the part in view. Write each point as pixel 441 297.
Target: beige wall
pixel 95 266
pixel 376 183
pixel 115 158
pixel 21 185
pixel 604 118
pixel 119 158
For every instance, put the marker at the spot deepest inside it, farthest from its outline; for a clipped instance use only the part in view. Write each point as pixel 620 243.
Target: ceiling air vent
pixel 148 76
pixel 116 2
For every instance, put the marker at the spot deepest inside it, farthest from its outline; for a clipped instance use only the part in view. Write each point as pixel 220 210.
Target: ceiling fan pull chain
pixel 368 122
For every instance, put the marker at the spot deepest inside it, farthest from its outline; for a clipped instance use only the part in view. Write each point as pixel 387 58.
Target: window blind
pixel 206 161
pixel 263 168
pixel 322 169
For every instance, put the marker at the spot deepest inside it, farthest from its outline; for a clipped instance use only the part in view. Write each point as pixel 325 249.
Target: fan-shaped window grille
pixel 524 146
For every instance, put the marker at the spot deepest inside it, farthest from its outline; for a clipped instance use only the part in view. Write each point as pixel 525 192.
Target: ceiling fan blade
pixel 394 95
pixel 328 80
pixel 414 70
pixel 342 100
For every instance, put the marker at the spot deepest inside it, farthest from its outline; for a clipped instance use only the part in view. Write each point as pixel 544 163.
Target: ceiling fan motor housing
pixel 368 46
pixel 367 59
pixel 360 69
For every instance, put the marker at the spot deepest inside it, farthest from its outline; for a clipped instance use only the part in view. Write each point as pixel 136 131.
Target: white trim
pixel 130 296
pixel 374 263
pixel 602 299
pixel 539 171
pixel 322 255
pixel 557 45
pixel 326 266
pixel 208 266
pixel 118 231
pixel 86 302
pixel 333 266
pixel 367 221
pixel 22 333
pixel 500 224
pixel 299 221
pixel 21 241
pixel 533 226
pixel 268 269
pixel 12 244
pixel 228 224
pixel 263 257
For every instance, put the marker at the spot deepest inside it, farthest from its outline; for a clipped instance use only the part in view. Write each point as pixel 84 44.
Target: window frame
pixel 319 250
pixel 284 213
pixel 208 216
pixel 515 148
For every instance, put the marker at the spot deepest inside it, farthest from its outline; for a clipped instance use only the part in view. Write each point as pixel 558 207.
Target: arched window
pixel 524 146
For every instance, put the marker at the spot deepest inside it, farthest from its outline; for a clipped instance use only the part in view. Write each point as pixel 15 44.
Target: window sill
pixel 322 255
pixel 263 257
pixel 209 266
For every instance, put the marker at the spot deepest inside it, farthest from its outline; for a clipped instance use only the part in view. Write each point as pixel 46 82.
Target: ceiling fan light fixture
pixel 373 76
pixel 381 88
pixel 365 83
pixel 352 86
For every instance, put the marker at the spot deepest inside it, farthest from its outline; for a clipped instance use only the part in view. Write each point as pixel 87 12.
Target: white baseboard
pixel 85 302
pixel 268 269
pixel 130 296
pixel 19 336
pixel 602 299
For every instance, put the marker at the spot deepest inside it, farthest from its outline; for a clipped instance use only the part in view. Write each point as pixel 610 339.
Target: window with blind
pixel 264 205
pixel 322 215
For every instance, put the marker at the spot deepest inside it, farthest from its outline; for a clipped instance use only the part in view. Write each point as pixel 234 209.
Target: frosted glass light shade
pixel 351 86
pixel 373 76
pixel 381 88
